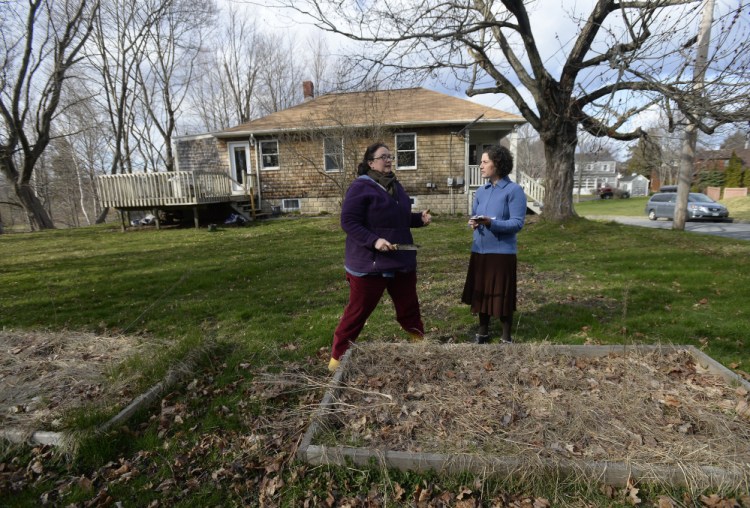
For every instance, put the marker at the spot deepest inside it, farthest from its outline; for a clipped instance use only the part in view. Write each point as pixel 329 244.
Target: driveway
pixel 736 230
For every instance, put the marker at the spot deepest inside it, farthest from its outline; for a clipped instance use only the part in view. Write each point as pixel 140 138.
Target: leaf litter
pixel 248 452
pixel 44 374
pixel 528 401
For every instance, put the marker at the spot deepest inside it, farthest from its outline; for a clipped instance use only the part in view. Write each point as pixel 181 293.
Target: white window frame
pixel 263 166
pixel 286 202
pixel 333 155
pixel 398 152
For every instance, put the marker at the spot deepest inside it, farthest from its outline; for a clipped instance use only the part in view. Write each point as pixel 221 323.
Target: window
pixel 269 154
pixel 473 161
pixel 406 151
pixel 333 154
pixel 290 205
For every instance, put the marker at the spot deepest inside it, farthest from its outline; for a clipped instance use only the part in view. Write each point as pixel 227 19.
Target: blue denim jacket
pixel 505 204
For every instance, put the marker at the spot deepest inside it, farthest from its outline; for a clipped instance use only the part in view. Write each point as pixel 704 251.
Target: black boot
pixel 481 339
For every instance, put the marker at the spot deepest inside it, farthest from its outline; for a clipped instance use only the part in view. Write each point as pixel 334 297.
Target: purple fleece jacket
pixel 369 213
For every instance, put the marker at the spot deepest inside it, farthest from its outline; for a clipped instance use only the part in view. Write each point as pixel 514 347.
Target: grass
pixel 271 293
pixel 739 208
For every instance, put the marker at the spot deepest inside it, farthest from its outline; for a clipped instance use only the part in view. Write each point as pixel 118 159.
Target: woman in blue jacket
pixel 376 216
pixel 499 212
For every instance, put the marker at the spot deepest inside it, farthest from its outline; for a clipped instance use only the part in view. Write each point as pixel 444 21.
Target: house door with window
pixel 239 166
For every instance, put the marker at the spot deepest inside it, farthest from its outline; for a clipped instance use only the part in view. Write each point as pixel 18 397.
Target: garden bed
pixel 612 413
pixel 45 375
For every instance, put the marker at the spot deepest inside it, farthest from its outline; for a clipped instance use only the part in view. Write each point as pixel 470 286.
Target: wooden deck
pixel 173 190
pixel 157 190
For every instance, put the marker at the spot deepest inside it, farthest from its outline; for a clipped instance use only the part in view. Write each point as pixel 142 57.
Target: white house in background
pixel 635 184
pixel 592 175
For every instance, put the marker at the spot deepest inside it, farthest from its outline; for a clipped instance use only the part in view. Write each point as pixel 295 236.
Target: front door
pixel 240 168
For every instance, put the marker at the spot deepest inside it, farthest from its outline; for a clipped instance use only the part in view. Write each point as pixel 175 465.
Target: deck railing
pixel 475 177
pixel 533 189
pixel 142 190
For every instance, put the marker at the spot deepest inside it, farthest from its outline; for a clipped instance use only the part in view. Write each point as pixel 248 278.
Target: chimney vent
pixel 308 90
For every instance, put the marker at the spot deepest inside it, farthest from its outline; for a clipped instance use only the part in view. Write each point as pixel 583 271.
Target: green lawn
pixel 739 208
pixel 265 298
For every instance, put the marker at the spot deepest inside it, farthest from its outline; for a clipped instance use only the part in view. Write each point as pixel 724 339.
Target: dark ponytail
pixel 364 166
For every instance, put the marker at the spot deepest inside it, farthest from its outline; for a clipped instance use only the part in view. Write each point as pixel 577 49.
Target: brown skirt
pixel 490 286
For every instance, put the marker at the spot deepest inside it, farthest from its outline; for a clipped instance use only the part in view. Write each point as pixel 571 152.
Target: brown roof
pixel 723 154
pixel 406 107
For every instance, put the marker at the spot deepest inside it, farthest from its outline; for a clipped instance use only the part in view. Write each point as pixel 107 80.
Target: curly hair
pixel 501 158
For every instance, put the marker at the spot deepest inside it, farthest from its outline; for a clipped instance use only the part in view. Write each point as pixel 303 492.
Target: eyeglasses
pixel 385 158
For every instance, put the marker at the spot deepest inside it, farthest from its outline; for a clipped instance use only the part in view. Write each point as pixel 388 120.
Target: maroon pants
pixel 364 295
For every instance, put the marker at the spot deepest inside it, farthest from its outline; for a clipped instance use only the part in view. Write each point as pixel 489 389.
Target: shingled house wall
pixel 300 164
pixel 204 153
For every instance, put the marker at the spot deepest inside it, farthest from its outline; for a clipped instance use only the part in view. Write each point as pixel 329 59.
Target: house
pixel 718 160
pixel 635 184
pixel 303 159
pixel 705 163
pixel 592 175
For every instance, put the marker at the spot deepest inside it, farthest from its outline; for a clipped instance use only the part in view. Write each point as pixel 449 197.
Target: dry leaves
pixel 248 454
pixel 43 374
pixel 529 401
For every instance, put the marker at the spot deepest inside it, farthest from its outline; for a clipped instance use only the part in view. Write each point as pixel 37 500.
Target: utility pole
pixel 687 156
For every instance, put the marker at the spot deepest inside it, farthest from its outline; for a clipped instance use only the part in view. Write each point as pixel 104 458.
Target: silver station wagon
pixel 700 207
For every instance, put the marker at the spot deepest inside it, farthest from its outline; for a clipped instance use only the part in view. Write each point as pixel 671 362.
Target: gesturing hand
pixel 426 217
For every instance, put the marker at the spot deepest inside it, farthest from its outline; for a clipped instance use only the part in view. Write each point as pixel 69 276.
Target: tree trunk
pixel 102 216
pixel 559 150
pixel 685 177
pixel 35 211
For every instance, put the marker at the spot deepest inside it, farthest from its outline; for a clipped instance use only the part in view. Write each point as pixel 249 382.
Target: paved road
pixel 736 230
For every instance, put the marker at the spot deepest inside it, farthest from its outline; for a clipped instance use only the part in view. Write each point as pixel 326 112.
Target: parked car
pixel 699 206
pixel 607 192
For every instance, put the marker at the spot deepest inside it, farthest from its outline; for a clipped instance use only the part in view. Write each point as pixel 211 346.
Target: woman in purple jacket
pixel 499 212
pixel 376 216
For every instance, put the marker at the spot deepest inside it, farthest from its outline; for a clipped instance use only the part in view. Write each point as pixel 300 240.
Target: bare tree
pixel 225 90
pixel 121 39
pixel 736 140
pixel 280 74
pixel 625 57
pixel 41 42
pixel 529 152
pixel 175 41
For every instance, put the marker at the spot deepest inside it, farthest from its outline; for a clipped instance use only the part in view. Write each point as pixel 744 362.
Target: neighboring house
pixel 303 158
pixel 592 175
pixel 718 160
pixel 705 161
pixel 635 184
